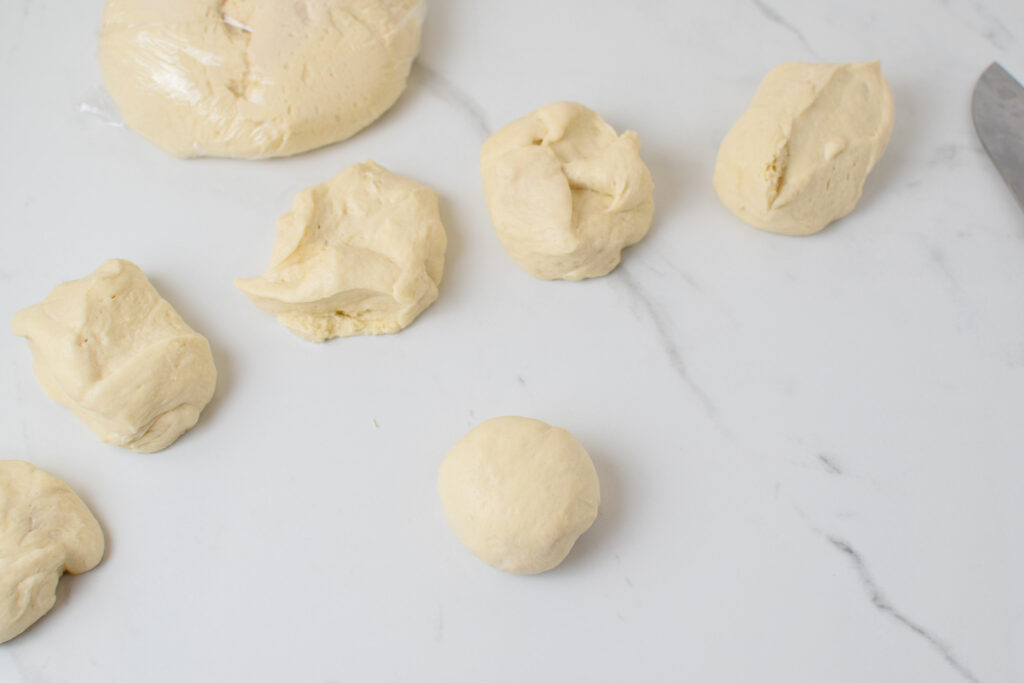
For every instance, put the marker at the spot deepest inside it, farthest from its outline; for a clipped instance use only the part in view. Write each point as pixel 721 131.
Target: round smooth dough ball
pixel 565 192
pixel 518 493
pixel 799 156
pixel 362 253
pixel 45 530
pixel 255 78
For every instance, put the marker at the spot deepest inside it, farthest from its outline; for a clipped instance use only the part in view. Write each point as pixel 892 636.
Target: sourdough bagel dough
pixel 518 493
pixel 113 351
pixel 798 158
pixel 360 254
pixel 565 192
pixel 255 78
pixel 45 530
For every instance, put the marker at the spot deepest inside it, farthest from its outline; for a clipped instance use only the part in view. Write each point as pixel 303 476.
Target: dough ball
pixel 518 493
pixel 113 351
pixel 45 530
pixel 565 192
pixel 255 78
pixel 361 254
pixel 798 158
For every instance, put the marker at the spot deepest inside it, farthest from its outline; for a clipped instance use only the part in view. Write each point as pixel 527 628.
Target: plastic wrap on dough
pixel 256 78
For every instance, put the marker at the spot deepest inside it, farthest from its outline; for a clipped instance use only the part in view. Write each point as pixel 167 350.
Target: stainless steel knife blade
pixel 998 111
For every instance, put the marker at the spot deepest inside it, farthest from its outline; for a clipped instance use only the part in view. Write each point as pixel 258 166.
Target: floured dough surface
pixel 518 493
pixel 565 192
pixel 799 156
pixel 113 351
pixel 45 530
pixel 255 78
pixel 360 254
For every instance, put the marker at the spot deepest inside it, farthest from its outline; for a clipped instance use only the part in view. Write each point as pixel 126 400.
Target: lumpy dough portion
pixel 518 493
pixel 360 254
pixel 798 158
pixel 255 78
pixel 565 192
pixel 120 357
pixel 45 530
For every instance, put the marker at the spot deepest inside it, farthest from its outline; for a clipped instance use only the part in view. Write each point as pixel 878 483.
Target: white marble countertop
pixel 810 449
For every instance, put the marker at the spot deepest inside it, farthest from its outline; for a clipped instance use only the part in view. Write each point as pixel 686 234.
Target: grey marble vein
pixel 683 275
pixel 951 155
pixel 883 605
pixel 939 259
pixel 943 155
pixel 439 625
pixel 675 358
pixel 830 464
pixel 625 577
pixel 688 279
pixel 455 96
pixel 773 16
pixel 997 31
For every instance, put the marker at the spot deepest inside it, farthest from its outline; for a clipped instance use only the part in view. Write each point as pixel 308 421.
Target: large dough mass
pixel 113 351
pixel 45 530
pixel 255 78
pixel 565 192
pixel 518 493
pixel 360 254
pixel 798 157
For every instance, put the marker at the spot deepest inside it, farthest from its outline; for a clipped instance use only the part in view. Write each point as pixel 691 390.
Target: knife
pixel 998 111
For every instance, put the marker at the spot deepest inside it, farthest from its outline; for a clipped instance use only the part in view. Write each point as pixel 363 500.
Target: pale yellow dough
pixel 255 78
pixel 565 192
pixel 113 351
pixel 360 254
pixel 798 158
pixel 45 530
pixel 518 493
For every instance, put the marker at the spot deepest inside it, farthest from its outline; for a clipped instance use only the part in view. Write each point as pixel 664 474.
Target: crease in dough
pixel 360 254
